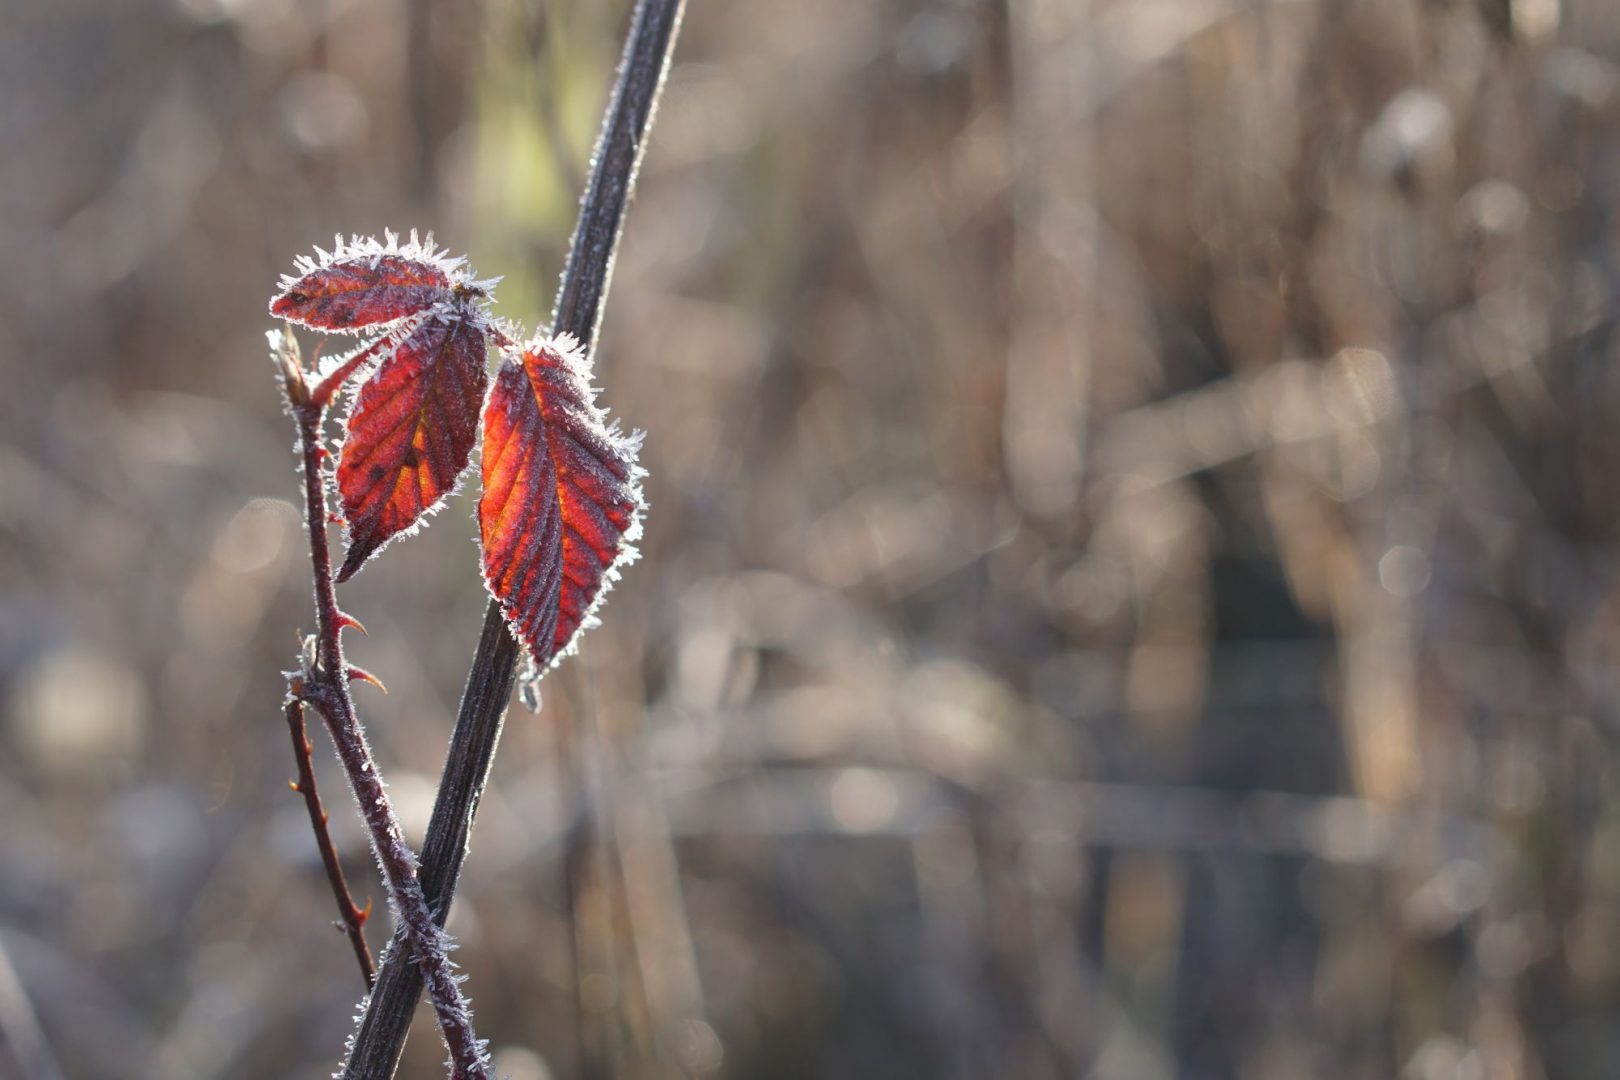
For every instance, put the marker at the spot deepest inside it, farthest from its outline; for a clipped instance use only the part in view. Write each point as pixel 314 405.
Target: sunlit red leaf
pixel 562 497
pixel 411 432
pixel 363 283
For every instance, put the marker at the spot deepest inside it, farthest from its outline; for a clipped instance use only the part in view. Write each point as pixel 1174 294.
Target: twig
pixel 350 917
pixel 324 684
pixel 578 310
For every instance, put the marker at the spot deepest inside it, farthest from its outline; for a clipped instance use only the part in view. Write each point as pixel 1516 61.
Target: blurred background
pixel 1131 583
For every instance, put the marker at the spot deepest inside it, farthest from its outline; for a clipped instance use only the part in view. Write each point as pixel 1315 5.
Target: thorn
pixel 366 914
pixel 294 785
pixel 344 619
pixel 322 454
pixel 334 518
pixel 360 674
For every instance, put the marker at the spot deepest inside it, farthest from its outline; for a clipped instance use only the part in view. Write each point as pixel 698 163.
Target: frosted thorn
pixel 360 674
pixel 345 621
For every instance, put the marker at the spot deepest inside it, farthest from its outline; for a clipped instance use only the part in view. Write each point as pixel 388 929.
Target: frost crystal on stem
pixel 561 503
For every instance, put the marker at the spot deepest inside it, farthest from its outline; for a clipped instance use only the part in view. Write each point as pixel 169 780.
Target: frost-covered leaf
pixel 411 433
pixel 363 283
pixel 562 496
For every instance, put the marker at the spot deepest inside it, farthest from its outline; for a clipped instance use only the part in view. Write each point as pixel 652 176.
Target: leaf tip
pixel 352 562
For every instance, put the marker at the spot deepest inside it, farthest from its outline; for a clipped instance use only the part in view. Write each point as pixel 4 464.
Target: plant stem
pixel 325 685
pixel 350 917
pixel 649 44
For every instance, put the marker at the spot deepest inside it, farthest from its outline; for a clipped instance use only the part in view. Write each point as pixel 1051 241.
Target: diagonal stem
pixel 350 917
pixel 654 26
pixel 325 685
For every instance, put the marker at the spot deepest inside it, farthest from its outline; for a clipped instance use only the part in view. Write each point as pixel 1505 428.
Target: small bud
pixel 288 360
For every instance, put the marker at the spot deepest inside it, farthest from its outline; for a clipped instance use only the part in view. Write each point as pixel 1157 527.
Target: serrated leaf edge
pixel 572 354
pixel 357 248
pixel 351 397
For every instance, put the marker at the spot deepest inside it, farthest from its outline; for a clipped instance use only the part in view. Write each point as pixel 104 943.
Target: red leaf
pixel 562 497
pixel 411 431
pixel 364 283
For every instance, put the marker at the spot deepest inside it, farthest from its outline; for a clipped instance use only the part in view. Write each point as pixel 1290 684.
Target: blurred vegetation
pixel 1130 589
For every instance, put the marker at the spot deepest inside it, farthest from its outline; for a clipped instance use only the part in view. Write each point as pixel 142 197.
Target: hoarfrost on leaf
pixel 363 283
pixel 411 435
pixel 562 498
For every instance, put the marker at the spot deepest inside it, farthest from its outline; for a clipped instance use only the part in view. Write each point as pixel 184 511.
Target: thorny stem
pixel 654 25
pixel 325 685
pixel 351 918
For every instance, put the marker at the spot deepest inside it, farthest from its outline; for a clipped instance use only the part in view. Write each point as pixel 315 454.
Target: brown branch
pixel 323 682
pixel 578 311
pixel 351 919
